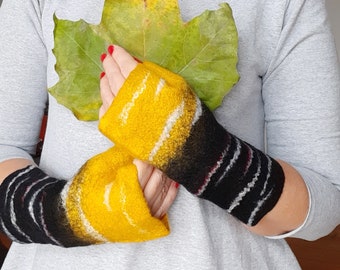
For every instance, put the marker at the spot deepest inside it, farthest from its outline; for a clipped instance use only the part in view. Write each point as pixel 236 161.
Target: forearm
pixel 290 211
pixel 9 166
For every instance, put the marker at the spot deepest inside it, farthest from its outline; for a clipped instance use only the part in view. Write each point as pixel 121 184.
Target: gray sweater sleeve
pixel 301 93
pixel 22 65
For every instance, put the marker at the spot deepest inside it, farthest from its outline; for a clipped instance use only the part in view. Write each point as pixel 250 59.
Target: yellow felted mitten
pixel 158 131
pixel 105 203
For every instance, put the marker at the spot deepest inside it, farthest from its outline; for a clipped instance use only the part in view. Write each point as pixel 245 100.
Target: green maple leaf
pixel 203 50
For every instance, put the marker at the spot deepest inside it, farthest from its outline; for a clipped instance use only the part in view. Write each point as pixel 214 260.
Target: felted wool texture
pixel 164 135
pixel 102 203
pixel 105 202
pixel 31 211
pixel 158 118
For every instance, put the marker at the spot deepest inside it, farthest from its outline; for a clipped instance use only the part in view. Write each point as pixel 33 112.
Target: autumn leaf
pixel 203 50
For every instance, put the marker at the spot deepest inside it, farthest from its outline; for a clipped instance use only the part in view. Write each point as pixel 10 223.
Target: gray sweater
pixel 286 103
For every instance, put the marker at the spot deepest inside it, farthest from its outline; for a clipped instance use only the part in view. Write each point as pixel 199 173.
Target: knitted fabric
pixel 102 203
pixel 158 119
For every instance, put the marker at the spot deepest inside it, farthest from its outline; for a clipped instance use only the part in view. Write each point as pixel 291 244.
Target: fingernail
pixel 176 185
pixel 139 61
pixel 110 49
pixel 102 74
pixel 102 57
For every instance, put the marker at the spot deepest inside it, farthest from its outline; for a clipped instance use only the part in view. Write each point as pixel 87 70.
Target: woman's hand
pixel 117 64
pixel 159 190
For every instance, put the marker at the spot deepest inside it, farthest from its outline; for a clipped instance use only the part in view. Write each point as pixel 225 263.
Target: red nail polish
pixel 110 49
pixel 102 57
pixel 176 185
pixel 139 61
pixel 102 74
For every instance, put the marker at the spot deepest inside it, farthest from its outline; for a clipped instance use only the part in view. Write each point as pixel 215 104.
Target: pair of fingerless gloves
pixel 158 119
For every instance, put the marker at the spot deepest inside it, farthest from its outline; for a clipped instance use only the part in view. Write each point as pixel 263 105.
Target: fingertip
pixel 111 49
pixel 102 57
pixel 139 61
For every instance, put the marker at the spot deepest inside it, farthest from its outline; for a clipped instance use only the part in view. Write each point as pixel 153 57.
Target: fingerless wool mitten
pixel 158 119
pixel 102 203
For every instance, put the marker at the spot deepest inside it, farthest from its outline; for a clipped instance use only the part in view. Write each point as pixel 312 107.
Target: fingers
pixel 155 187
pixel 113 74
pixel 106 95
pixel 117 64
pixel 166 200
pixel 160 192
pixel 125 61
pixel 144 172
